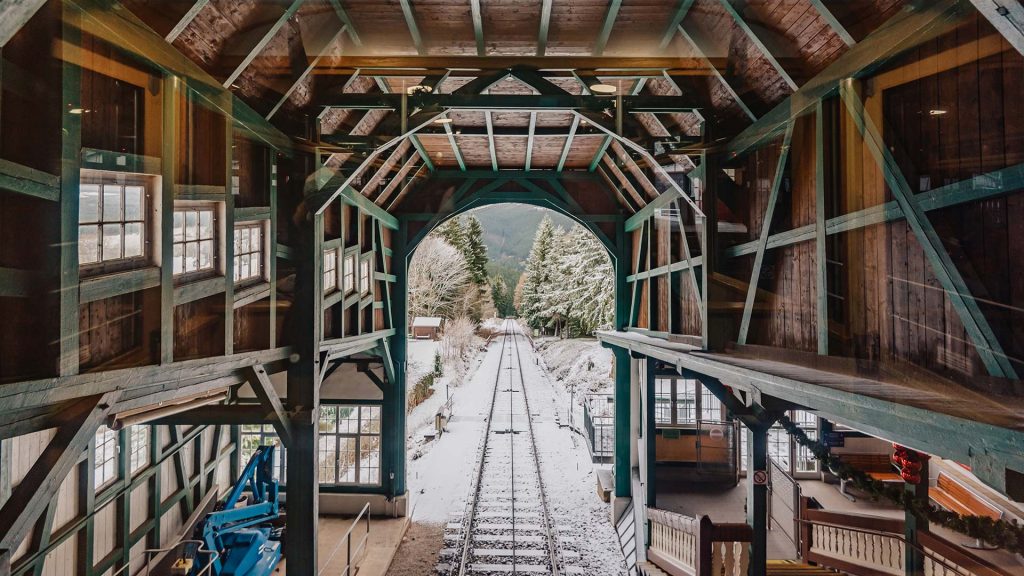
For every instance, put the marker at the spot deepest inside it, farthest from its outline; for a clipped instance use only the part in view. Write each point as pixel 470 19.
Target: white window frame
pixel 107 219
pixel 330 270
pixel 366 432
pixel 251 436
pixel 105 454
pixel 138 448
pixel 180 259
pixel 365 273
pixel 247 251
pixel 349 273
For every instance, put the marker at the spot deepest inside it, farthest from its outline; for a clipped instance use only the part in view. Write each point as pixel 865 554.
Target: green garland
pixel 1001 533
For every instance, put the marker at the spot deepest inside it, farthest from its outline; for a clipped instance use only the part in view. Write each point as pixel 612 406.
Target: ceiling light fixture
pixel 443 121
pixel 938 112
pixel 603 89
pixel 413 90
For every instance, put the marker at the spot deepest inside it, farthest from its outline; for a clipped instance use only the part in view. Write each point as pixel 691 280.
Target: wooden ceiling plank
pixel 410 22
pixel 607 25
pixel 187 19
pixel 405 189
pixel 833 22
pixel 255 51
pixel 623 181
pixel 545 25
pixel 478 28
pixel 677 18
pixel 735 9
pixel 634 169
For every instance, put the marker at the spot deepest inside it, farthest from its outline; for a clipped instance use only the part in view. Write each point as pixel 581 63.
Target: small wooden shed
pixel 424 327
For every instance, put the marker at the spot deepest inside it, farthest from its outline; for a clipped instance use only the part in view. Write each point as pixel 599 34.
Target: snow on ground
pixel 420 362
pixel 581 367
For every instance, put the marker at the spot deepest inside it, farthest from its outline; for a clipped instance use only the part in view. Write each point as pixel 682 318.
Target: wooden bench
pixel 956 497
pixel 878 466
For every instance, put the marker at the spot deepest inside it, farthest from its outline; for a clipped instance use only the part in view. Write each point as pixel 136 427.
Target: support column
pixel 304 398
pixel 622 422
pixel 395 398
pixel 913 560
pixel 650 457
pixel 757 497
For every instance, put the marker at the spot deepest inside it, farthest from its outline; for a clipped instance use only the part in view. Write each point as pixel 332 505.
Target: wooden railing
pixel 684 546
pixel 874 546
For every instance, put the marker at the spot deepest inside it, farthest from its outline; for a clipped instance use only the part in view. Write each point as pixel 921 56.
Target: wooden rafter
pixel 323 42
pixel 682 9
pixel 545 25
pixel 833 22
pixel 698 42
pixel 389 164
pixel 397 180
pixel 1006 16
pixel 406 188
pixel 187 19
pixel 606 26
pixel 262 43
pixel 410 22
pixel 735 8
pixel 623 181
pixel 634 169
pixel 343 16
pixel 455 145
pixel 478 27
pixel 568 143
pixel 490 139
pixel 529 140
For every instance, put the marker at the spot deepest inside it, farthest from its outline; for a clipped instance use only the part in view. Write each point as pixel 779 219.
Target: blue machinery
pixel 242 536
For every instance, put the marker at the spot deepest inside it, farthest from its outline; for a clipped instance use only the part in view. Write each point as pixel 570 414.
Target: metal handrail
pixel 149 552
pixel 347 571
pixel 892 535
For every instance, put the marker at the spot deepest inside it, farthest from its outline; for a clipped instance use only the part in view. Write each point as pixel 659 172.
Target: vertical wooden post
pixel 623 365
pixel 228 227
pixel 304 396
pixel 169 168
pixel 821 257
pixel 705 542
pixel 805 529
pixel 757 497
pixel 70 178
pixel 913 559
pixel 649 434
pixel 715 327
pixel 271 244
pixel 395 397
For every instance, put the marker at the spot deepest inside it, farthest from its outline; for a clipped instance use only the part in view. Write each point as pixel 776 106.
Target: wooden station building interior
pixel 208 207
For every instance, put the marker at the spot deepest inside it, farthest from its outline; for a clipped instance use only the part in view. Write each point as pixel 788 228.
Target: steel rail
pixel 548 525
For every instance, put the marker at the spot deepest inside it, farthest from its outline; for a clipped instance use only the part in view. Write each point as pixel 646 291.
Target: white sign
pixel 760 477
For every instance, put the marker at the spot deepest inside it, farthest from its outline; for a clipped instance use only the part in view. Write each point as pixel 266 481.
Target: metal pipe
pixel 119 421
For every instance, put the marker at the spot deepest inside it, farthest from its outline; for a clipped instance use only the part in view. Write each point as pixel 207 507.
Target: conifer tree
pixel 537 273
pixel 475 251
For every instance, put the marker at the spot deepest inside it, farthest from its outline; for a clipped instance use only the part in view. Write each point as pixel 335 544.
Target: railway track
pixel 506 527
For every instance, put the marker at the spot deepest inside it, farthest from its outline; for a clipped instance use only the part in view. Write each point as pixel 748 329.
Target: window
pixel 364 276
pixel 349 451
pixel 710 406
pixel 778 446
pixel 248 252
pixel 330 270
pixel 111 222
pixel 805 461
pixel 138 438
pixel 105 457
pixel 662 401
pixel 686 401
pixel 252 436
pixel 194 246
pixel 349 274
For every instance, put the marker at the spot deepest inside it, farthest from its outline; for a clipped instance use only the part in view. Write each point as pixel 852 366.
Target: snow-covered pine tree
pixel 536 275
pixel 453 233
pixel 475 251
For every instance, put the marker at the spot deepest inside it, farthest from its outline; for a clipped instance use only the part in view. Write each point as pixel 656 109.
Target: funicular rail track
pixel 507 528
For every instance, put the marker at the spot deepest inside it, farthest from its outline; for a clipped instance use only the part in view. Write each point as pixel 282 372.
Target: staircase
pixel 648 569
pixel 625 528
pixel 795 568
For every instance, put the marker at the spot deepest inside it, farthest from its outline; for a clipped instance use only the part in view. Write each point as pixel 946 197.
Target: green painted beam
pixel 410 22
pixel 352 197
pixel 422 152
pixel 455 146
pixel 682 9
pixel 568 143
pixel 490 140
pixel 529 140
pixel 562 100
pixel 325 40
pixel 648 211
pixel 600 152
pixel 343 16
pixel 478 27
pixel 606 26
pixel 975 324
pixel 187 19
pixel 762 242
pixel 1006 16
pixel 545 25
pixel 735 9
pixel 14 14
pixel 29 181
pixel 267 37
pixel 833 22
